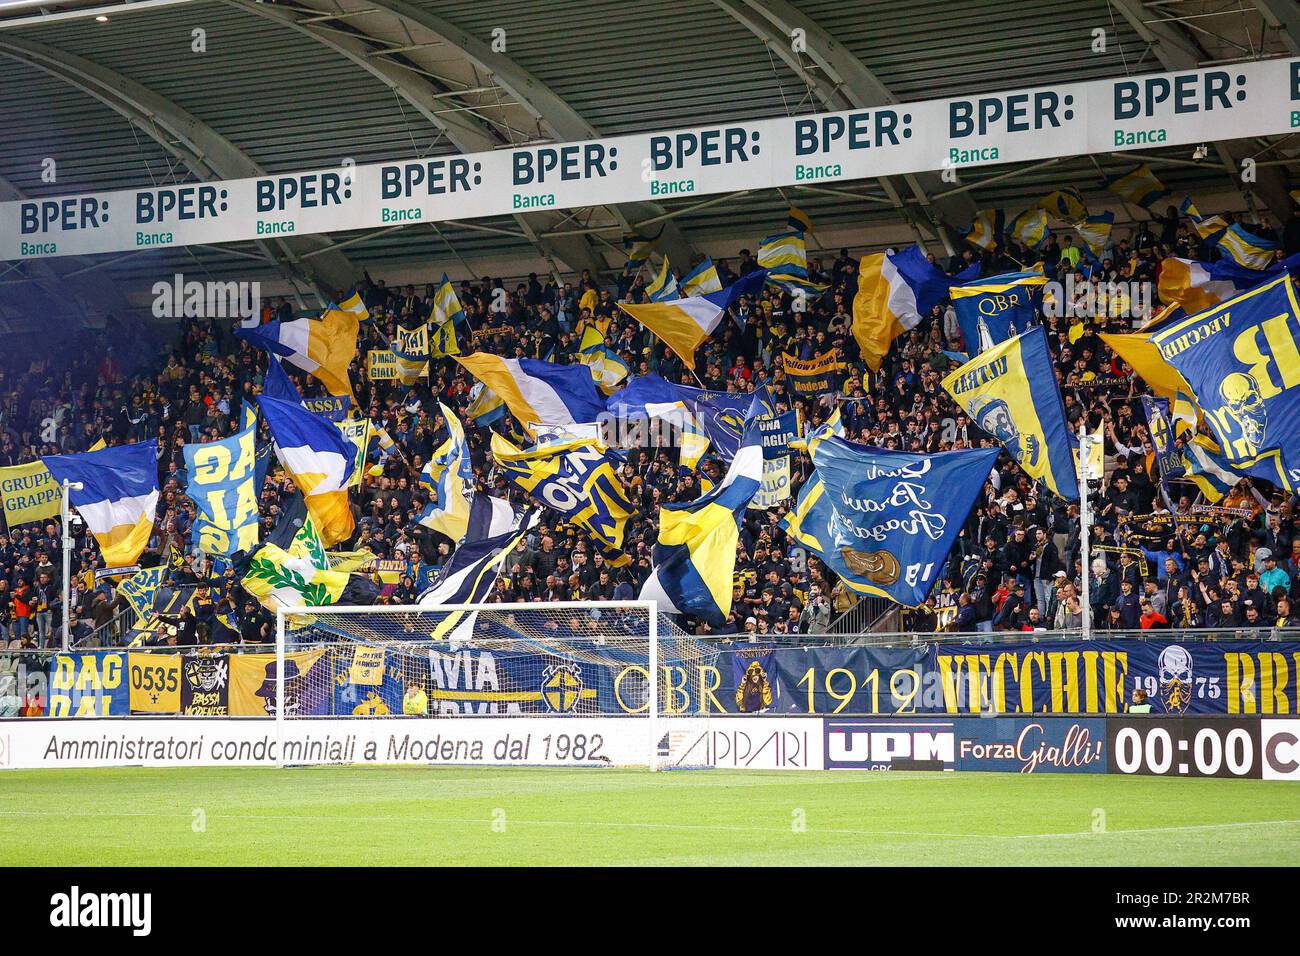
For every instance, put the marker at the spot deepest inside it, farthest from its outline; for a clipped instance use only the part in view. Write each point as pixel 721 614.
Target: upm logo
pixel 881 744
pixel 77 909
pixel 1281 749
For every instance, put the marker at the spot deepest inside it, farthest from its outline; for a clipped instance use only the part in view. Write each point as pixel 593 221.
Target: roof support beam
pixel 1177 50
pixel 1284 16
pixel 207 154
pixel 842 82
pixel 462 129
pixel 548 111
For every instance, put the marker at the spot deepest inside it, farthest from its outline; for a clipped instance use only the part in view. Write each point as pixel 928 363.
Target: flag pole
pixel 1085 522
pixel 65 516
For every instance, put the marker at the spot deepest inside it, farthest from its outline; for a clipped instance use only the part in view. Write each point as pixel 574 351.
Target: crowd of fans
pixel 1157 559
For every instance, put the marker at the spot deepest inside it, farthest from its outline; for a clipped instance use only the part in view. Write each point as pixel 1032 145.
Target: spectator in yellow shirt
pixel 415 703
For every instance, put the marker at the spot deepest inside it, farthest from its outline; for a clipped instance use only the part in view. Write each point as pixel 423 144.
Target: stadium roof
pixel 116 95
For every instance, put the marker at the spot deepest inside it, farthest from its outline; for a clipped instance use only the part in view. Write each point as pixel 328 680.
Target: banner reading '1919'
pixel 1159 109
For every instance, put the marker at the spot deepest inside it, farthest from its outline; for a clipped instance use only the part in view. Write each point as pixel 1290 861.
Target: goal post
pixel 566 683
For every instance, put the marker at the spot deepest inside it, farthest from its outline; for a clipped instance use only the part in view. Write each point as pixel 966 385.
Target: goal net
pixel 558 684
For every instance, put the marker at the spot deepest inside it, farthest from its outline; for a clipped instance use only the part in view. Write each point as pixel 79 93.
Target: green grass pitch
pixel 524 816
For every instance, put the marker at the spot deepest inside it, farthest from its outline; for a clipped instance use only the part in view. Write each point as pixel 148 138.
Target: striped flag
pixel 319 459
pixel 1139 187
pixel 538 392
pixel 695 556
pixel 664 286
pixel 894 291
pixel 702 280
pixel 685 323
pixel 322 347
pixel 118 497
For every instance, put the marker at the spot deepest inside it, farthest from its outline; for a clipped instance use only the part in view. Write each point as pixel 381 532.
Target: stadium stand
pixel 1017 566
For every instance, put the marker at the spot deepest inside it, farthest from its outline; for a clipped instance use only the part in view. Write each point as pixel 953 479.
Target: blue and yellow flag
pixel 992 310
pixel 319 459
pixel 222 481
pixel 449 476
pixel 683 324
pixel 323 347
pixel 895 291
pixel 447 312
pixel 411 354
pixel 1139 187
pixel 702 279
pixel 1065 204
pixel 785 257
pixel 1241 360
pixel 798 220
pixel 1030 228
pixel 986 229
pixel 1010 392
pixel 578 478
pixel 118 497
pixel 884 521
pixel 663 287
pixel 695 555
pixel 1095 231
pixel 485 406
pixel 1245 248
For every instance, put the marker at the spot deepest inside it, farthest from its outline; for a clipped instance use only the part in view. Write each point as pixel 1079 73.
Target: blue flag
pixel 223 481
pixel 992 310
pixel 884 521
pixel 1242 362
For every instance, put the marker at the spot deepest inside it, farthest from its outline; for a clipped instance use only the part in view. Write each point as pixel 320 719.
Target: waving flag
pixel 1010 392
pixel 576 477
pixel 702 280
pixel 538 392
pixel 685 323
pixel 1136 349
pixel 1196 286
pixel 319 459
pixel 468 577
pixel 449 476
pixel 1139 187
pixel 799 220
pixel 994 309
pixel 118 498
pixel 785 257
pixel 716 417
pixel 695 555
pixel 1208 469
pixel 322 347
pixel 1242 362
pixel 884 521
pixel 895 290
pixel 222 481
pixel 1030 228
pixel 485 406
pixel 1095 231
pixel 1065 204
pixel 411 353
pixel 664 286
pixel 986 229
pixel 294 578
pixel 277 383
pixel 1245 248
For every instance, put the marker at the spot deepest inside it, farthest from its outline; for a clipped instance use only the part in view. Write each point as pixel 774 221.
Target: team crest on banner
pixel 562 687
pixel 1242 361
